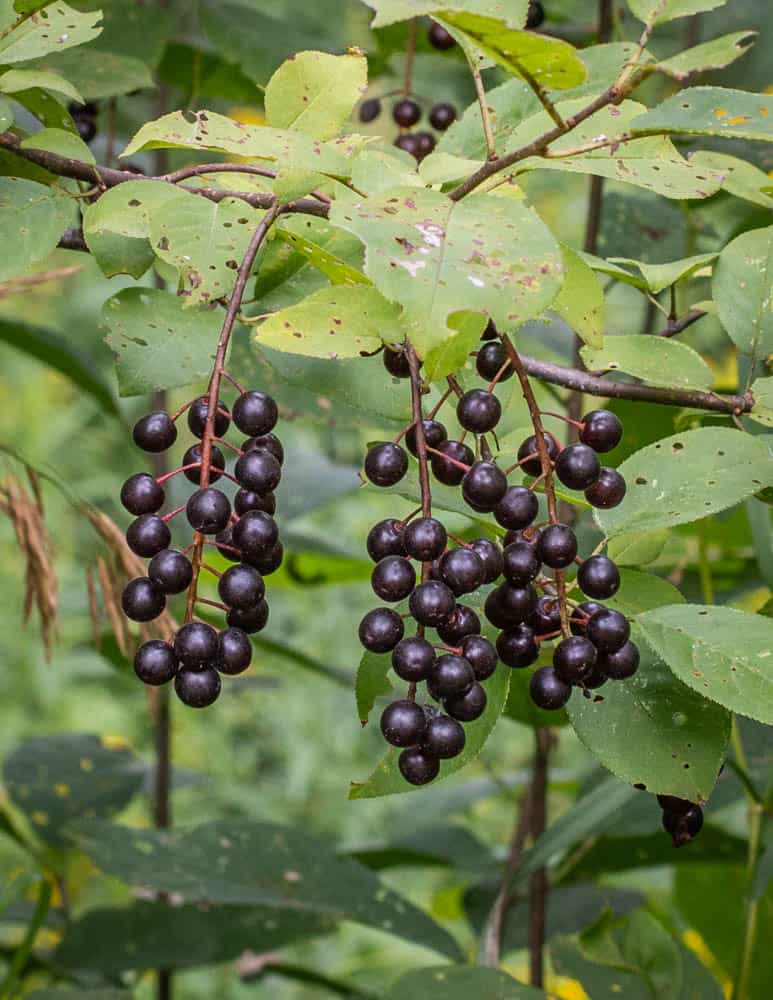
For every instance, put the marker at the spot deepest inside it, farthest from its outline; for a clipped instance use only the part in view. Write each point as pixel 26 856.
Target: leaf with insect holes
pixel 458 982
pixel 742 281
pixel 15 80
pixel 32 219
pixel 741 179
pixel 713 55
pixel 53 29
pixel 732 114
pixel 512 12
pixel 436 257
pixel 658 11
pixel 580 302
pixel 315 92
pixel 657 360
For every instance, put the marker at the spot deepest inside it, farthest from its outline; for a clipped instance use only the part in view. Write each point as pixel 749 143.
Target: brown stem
pixel 410 58
pixel 538 884
pixel 485 114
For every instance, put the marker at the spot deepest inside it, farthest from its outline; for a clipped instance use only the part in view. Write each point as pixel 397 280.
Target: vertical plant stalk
pixel 10 985
pixel 423 460
pixel 538 883
pixel 485 113
pixel 410 58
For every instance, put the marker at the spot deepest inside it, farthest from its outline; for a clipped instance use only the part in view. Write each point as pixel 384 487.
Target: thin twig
pixel 421 456
pixel 410 58
pixel 485 112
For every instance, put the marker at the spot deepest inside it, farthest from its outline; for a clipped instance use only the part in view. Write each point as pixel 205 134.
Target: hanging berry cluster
pixel 529 605
pixel 245 533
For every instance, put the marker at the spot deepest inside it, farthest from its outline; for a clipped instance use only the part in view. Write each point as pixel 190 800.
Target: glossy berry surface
pixel 452 675
pixel 208 511
pixel 434 435
pixel 141 494
pixel 439 38
pixel 484 486
pixel 267 562
pixel 672 803
pixel 409 143
pixel 490 331
pixel 495 612
pixel 442 116
pixel 193 457
pixel 546 616
pixel 403 723
pixel 444 737
pixel 370 109
pixel 425 144
pixel 683 827
pixel 255 533
pixel 622 664
pixel 266 442
pixel 463 621
pixel 491 358
pixel 417 766
pixel 517 509
pixel 396 362
pixel 234 651
pixel 386 464
pixel 490 555
pixel 197 417
pixel 413 659
pixel 601 430
pixel 469 706
pixel 245 500
pixel 195 644
pixel 406 112
pixel 449 466
pixel 148 535
pixel 574 658
pixel 556 546
pixel 599 577
pixel 385 539
pixel 462 570
pixel 478 411
pixel 255 413
pixel 520 563
pixel 425 539
pixel 547 689
pixel 578 622
pixel 518 647
pixel 155 432
pixel 431 603
pixel 578 466
pixel 516 601
pixel 258 471
pixel 198 687
pixel 381 630
pixel 608 491
pixel 142 600
pixel 480 654
pixel 155 663
pixel 608 630
pixel 171 571
pixel 241 587
pixel 393 578
pixel 535 15
pixel 252 621
pixel 529 447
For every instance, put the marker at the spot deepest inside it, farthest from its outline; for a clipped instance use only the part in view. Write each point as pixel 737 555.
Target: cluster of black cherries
pixel 244 532
pixel 599 647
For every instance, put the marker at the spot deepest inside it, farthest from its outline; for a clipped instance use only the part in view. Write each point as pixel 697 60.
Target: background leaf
pixel 657 360
pixel 733 114
pixel 315 92
pixel 741 287
pixel 456 982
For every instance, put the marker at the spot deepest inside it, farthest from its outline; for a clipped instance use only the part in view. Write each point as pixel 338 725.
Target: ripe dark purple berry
pixel 141 494
pixel 381 630
pixel 491 359
pixel 197 417
pixel 444 737
pixel 252 621
pixel 535 15
pixel 393 578
pixel 608 630
pixel 171 571
pixel 258 471
pixel 672 803
pixel 556 546
pixel 601 430
pixel 495 612
pixel 491 556
pixel 370 109
pixel 409 143
pixel 439 38
pixel 148 535
pixel 266 442
pixel 196 644
pixel 142 600
pixel 449 466
pixel 155 662
pixel 461 623
pixel 396 361
pixel 386 464
pixel 478 411
pixel 548 691
pixel 578 623
pixel 197 687
pixel 208 511
pixel 256 534
pixel 193 457
pixel 426 143
pixel 469 706
pixel 385 539
pixel 518 647
pixel 521 564
pixel 413 659
pixel 517 509
pixel 442 116
pixel 434 435
pixel 403 723
pixel 481 655
pixel 574 658
pixel 241 587
pixel 234 651
pixel 484 486
pixel 406 112
pixel 425 539
pixel 599 577
pixel 417 766
pixel 451 675
pixel 517 602
pixel 255 413
pixel 267 562
pixel 245 500
pixel 608 491
pixel 546 616
pixel 621 665
pixel 462 570
pixel 155 432
pixel 578 466
pixel 529 447
pixel 490 331
pixel 683 827
pixel 432 603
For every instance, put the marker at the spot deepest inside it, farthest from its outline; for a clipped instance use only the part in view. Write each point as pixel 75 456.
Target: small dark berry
pixel 481 655
pixel 256 533
pixel 535 15
pixel 439 38
pixel 601 430
pixel 385 539
pixel 255 413
pixel 393 578
pixel 461 623
pixel 452 675
pixel 621 665
pixel 370 109
pixel 529 447
pixel 442 116
pixel 193 457
pixel 444 737
pixel 247 500
pixel 171 571
pixel 86 126
pixel 448 467
pixel 142 600
pixel 413 659
pixel 672 803
pixel 396 361
pixel 462 570
pixel 608 630
pixel 417 766
pixel 267 562
pixel 155 432
pixel 484 486
pixel 432 603
pixel 517 602
pixel 425 539
pixel 266 442
pixel 495 612
pixel 241 587
pixel 546 616
pixel 258 471
pixel 234 651
pixel 226 546
pixel 683 827
pixel 608 491
pixel 409 143
pixel 578 622
pixel 426 143
pixel 547 689
pixel 155 663
pixel 208 511
pixel 434 435
pixel 386 464
pixel 491 358
pixel 518 647
pixel 574 658
pixel 521 564
pixel 141 494
pixel 517 509
pixel 197 687
pixel 196 644
pixel 403 723
pixel 578 466
pixel 406 112
pixel 381 630
pixel 490 332
pixel 197 417
pixel 479 411
pixel 252 621
pixel 599 577
pixel 148 535
pixel 594 680
pixel 556 546
pixel 469 706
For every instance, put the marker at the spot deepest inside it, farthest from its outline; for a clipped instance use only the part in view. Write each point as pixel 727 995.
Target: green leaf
pixel 32 219
pixel 658 11
pixel 657 360
pixel 244 863
pixel 372 682
pixel 6 115
pixel 436 257
pixel 741 179
pixel 762 390
pixel 741 288
pixel 117 226
pixel 53 29
pixel 580 302
pixel 660 276
pixel 713 55
pixel 386 778
pixel 290 183
pixel 344 321
pixel 205 241
pixel 551 62
pixel 55 351
pixel 637 548
pixel 158 343
pixel 732 114
pixel 457 982
pixel 138 936
pixel 613 270
pixel 687 477
pixel 380 169
pixel 452 355
pixel 64 993
pixel 654 731
pixel 207 130
pixel 315 92
pixel 61 142
pixel 99 75
pixel 722 653
pixel 15 80
pixel 57 779
pixel 512 12
pixel 641 592
pixel 333 266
